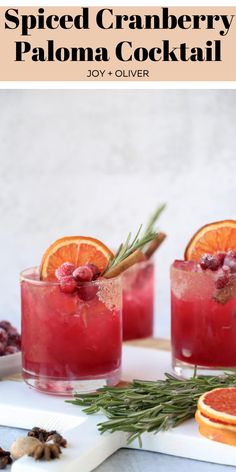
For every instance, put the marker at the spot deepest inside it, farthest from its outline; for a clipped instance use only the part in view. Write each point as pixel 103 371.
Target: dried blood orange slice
pixel 211 238
pixel 215 431
pixel 219 405
pixel 78 250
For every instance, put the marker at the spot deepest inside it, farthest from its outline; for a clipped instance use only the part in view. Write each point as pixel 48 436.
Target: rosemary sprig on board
pixel 149 406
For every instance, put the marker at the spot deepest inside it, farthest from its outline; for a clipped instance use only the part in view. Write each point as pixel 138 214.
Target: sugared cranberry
pixel 11 349
pixel 65 270
pixel 230 260
pixel 68 284
pixel 12 331
pixel 209 261
pixel 231 254
pixel 87 292
pixel 223 277
pixel 2 348
pixel 14 340
pixel 5 325
pixel 83 273
pixel 95 270
pixel 3 336
pixel 221 257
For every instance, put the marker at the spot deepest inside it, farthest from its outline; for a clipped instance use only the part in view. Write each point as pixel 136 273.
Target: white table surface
pixel 133 460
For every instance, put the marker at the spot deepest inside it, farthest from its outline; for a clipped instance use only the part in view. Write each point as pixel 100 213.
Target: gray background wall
pixel 98 162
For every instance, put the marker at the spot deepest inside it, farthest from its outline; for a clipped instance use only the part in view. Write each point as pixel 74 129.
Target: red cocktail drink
pixel 203 318
pixel 138 301
pixel 70 341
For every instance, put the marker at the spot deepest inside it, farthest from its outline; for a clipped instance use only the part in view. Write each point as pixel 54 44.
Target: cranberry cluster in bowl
pixel 10 339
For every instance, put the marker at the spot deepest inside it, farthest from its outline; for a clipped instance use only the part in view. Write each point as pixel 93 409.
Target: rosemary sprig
pixel 149 406
pixel 154 217
pixel 139 242
pixel 129 246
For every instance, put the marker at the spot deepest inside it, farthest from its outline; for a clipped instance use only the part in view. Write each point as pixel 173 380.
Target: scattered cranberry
pixel 87 292
pixel 2 348
pixel 10 339
pixel 3 336
pixel 11 349
pixel 5 325
pixel 65 270
pixel 12 331
pixel 14 340
pixel 83 274
pixel 209 261
pixel 68 284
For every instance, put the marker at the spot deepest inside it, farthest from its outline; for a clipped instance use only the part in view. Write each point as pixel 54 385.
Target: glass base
pixel 54 386
pixel 186 370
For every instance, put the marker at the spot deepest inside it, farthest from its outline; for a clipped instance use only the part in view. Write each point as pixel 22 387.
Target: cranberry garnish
pixel 223 277
pixel 95 270
pixel 83 273
pixel 68 284
pixel 65 270
pixel 87 292
pixel 209 261
pixel 221 257
pixel 230 260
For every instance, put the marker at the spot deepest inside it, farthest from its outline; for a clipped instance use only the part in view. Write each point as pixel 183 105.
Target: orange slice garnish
pixel 211 238
pixel 78 250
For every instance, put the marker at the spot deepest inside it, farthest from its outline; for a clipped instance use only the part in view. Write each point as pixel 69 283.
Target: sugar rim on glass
pixel 34 271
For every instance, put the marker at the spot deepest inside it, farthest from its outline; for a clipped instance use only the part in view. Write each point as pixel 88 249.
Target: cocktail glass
pixel 70 341
pixel 138 300
pixel 203 321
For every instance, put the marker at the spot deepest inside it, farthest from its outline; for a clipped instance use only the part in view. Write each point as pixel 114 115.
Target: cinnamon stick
pixel 154 244
pixel 136 256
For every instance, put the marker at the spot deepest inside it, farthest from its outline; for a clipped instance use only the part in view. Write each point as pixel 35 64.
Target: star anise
pixel 57 439
pixel 40 433
pixel 5 458
pixel 45 436
pixel 46 452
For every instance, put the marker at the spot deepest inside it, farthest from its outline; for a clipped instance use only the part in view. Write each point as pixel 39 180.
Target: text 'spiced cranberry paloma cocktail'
pixel 70 341
pixel 138 300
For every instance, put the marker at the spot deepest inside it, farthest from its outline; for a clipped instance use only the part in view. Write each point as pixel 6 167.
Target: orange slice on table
pixel 211 238
pixel 220 405
pixel 78 250
pixel 215 431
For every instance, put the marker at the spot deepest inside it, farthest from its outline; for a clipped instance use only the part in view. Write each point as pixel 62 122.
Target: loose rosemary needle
pixel 149 406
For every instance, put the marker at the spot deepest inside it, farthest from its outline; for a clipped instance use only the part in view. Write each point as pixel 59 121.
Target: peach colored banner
pixel 117 43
